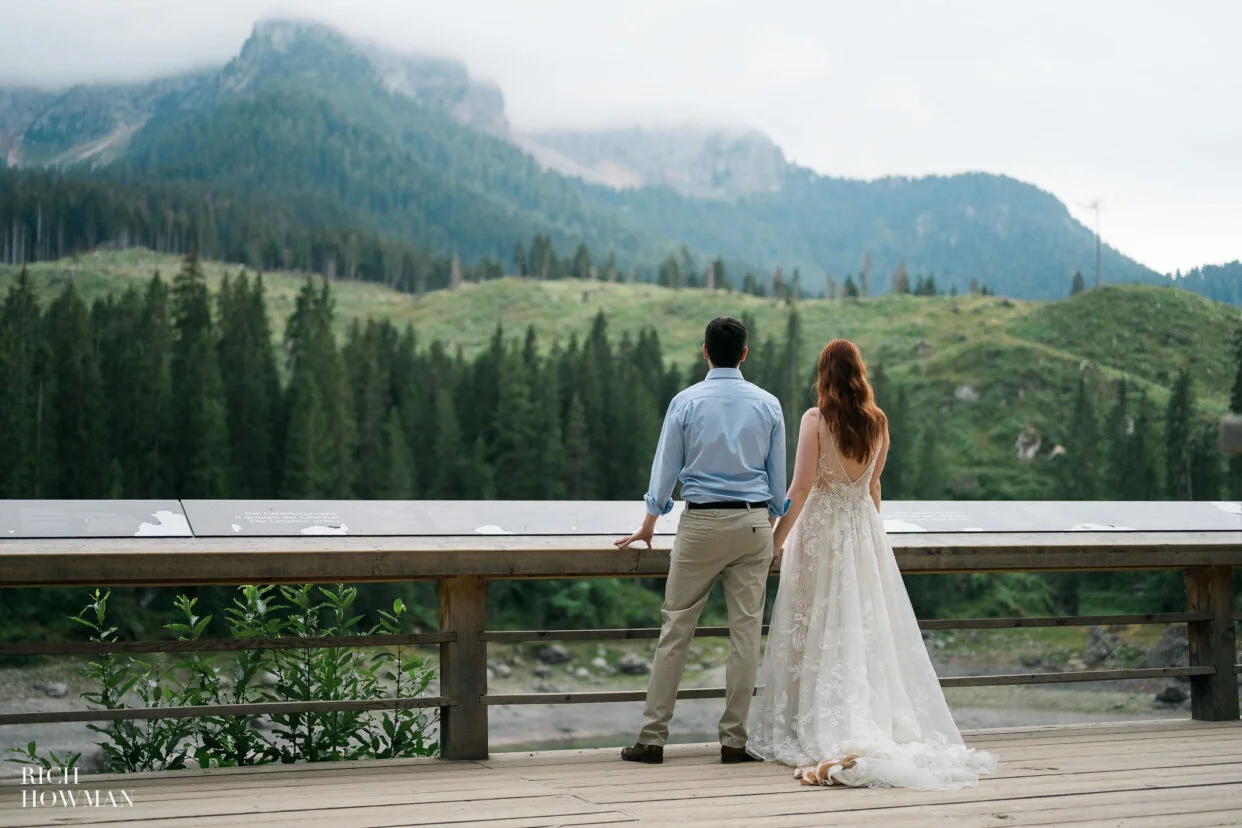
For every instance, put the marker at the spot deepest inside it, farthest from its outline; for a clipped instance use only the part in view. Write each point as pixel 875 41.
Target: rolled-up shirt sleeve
pixel 779 504
pixel 669 457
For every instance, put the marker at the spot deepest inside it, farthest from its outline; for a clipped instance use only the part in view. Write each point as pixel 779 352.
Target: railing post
pixel 463 668
pixel 1212 643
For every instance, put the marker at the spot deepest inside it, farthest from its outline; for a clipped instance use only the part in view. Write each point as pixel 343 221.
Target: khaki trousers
pixel 735 543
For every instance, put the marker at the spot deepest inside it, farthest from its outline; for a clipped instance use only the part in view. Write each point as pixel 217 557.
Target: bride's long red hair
pixel 847 402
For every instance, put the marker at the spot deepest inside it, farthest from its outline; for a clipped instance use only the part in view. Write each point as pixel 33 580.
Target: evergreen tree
pixel 200 440
pixel 637 430
pixel 153 433
pixel 307 472
pixel 22 382
pixel 901 282
pixel 579 476
pixel 411 402
pixel 370 409
pixel 478 476
pixel 1206 469
pixel 851 290
pixel 251 386
pixel 929 474
pixel 894 404
pixel 1119 462
pixel 669 274
pixel 582 262
pixel 519 260
pixel 598 386
pixel 78 461
pixel 547 416
pixel 397 481
pixel 319 378
pixel 1235 403
pixel 1143 481
pixel 449 479
pixel 517 446
pixel 125 407
pixel 1080 464
pixel 1078 285
pixel 1178 439
pixel 790 389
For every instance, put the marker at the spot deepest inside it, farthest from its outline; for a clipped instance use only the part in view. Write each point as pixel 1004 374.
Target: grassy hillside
pixel 979 369
pixel 1145 333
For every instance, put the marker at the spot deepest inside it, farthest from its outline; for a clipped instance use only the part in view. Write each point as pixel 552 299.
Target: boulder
pixel 1028 443
pixel 500 669
pixel 552 654
pixel 542 671
pixel 1171 695
pixel 599 663
pixel 1099 647
pixel 581 673
pixel 1172 650
pixel 52 689
pixel 966 393
pixel 633 665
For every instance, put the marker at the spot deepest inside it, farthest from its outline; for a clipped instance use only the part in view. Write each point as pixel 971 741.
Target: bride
pixel 847 693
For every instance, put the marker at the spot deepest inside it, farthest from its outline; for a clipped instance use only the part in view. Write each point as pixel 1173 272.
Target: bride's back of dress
pixel 834 470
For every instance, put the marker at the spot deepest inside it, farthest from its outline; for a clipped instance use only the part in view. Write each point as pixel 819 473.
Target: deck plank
pixel 1178 773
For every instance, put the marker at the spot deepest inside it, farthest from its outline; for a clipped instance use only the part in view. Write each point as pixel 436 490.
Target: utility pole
pixel 1095 205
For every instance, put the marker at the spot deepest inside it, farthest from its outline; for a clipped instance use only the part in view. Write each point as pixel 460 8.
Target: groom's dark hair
pixel 725 339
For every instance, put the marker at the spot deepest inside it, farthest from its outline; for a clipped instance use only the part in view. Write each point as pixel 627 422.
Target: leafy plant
pixel 30 756
pixel 262 675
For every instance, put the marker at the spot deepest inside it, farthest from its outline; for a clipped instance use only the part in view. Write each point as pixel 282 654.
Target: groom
pixel 725 439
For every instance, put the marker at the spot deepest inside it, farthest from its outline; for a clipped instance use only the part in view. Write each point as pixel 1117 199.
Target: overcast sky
pixel 1132 102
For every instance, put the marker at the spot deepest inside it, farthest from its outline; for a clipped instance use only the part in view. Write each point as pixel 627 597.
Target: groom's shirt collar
pixel 724 373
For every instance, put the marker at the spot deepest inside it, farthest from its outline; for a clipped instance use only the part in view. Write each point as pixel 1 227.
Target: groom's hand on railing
pixel 644 534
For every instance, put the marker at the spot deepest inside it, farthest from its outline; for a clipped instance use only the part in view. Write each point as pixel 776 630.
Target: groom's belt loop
pixel 726 504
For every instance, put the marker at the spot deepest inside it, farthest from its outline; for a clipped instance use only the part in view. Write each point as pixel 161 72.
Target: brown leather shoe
pixel 733 756
pixel 647 754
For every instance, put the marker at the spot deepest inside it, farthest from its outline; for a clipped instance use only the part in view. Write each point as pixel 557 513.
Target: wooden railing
pixel 462 565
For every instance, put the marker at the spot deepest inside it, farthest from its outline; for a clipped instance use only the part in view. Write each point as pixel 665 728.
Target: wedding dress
pixel 847 692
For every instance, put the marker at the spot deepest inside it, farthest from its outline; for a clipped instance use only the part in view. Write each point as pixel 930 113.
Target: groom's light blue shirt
pixel 725 438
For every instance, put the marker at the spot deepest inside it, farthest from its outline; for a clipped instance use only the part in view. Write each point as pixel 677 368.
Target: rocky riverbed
pixel 58 685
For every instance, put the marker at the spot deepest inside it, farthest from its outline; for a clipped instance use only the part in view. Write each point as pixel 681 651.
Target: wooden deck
pixel 1170 773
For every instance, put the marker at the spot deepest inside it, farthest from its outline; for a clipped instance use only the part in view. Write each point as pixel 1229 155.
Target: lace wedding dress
pixel 847 692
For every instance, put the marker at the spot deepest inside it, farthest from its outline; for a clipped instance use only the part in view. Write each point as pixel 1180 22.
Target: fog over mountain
pixel 1128 104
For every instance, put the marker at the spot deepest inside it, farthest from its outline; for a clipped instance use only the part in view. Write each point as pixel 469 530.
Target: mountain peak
pixel 279 33
pixel 439 83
